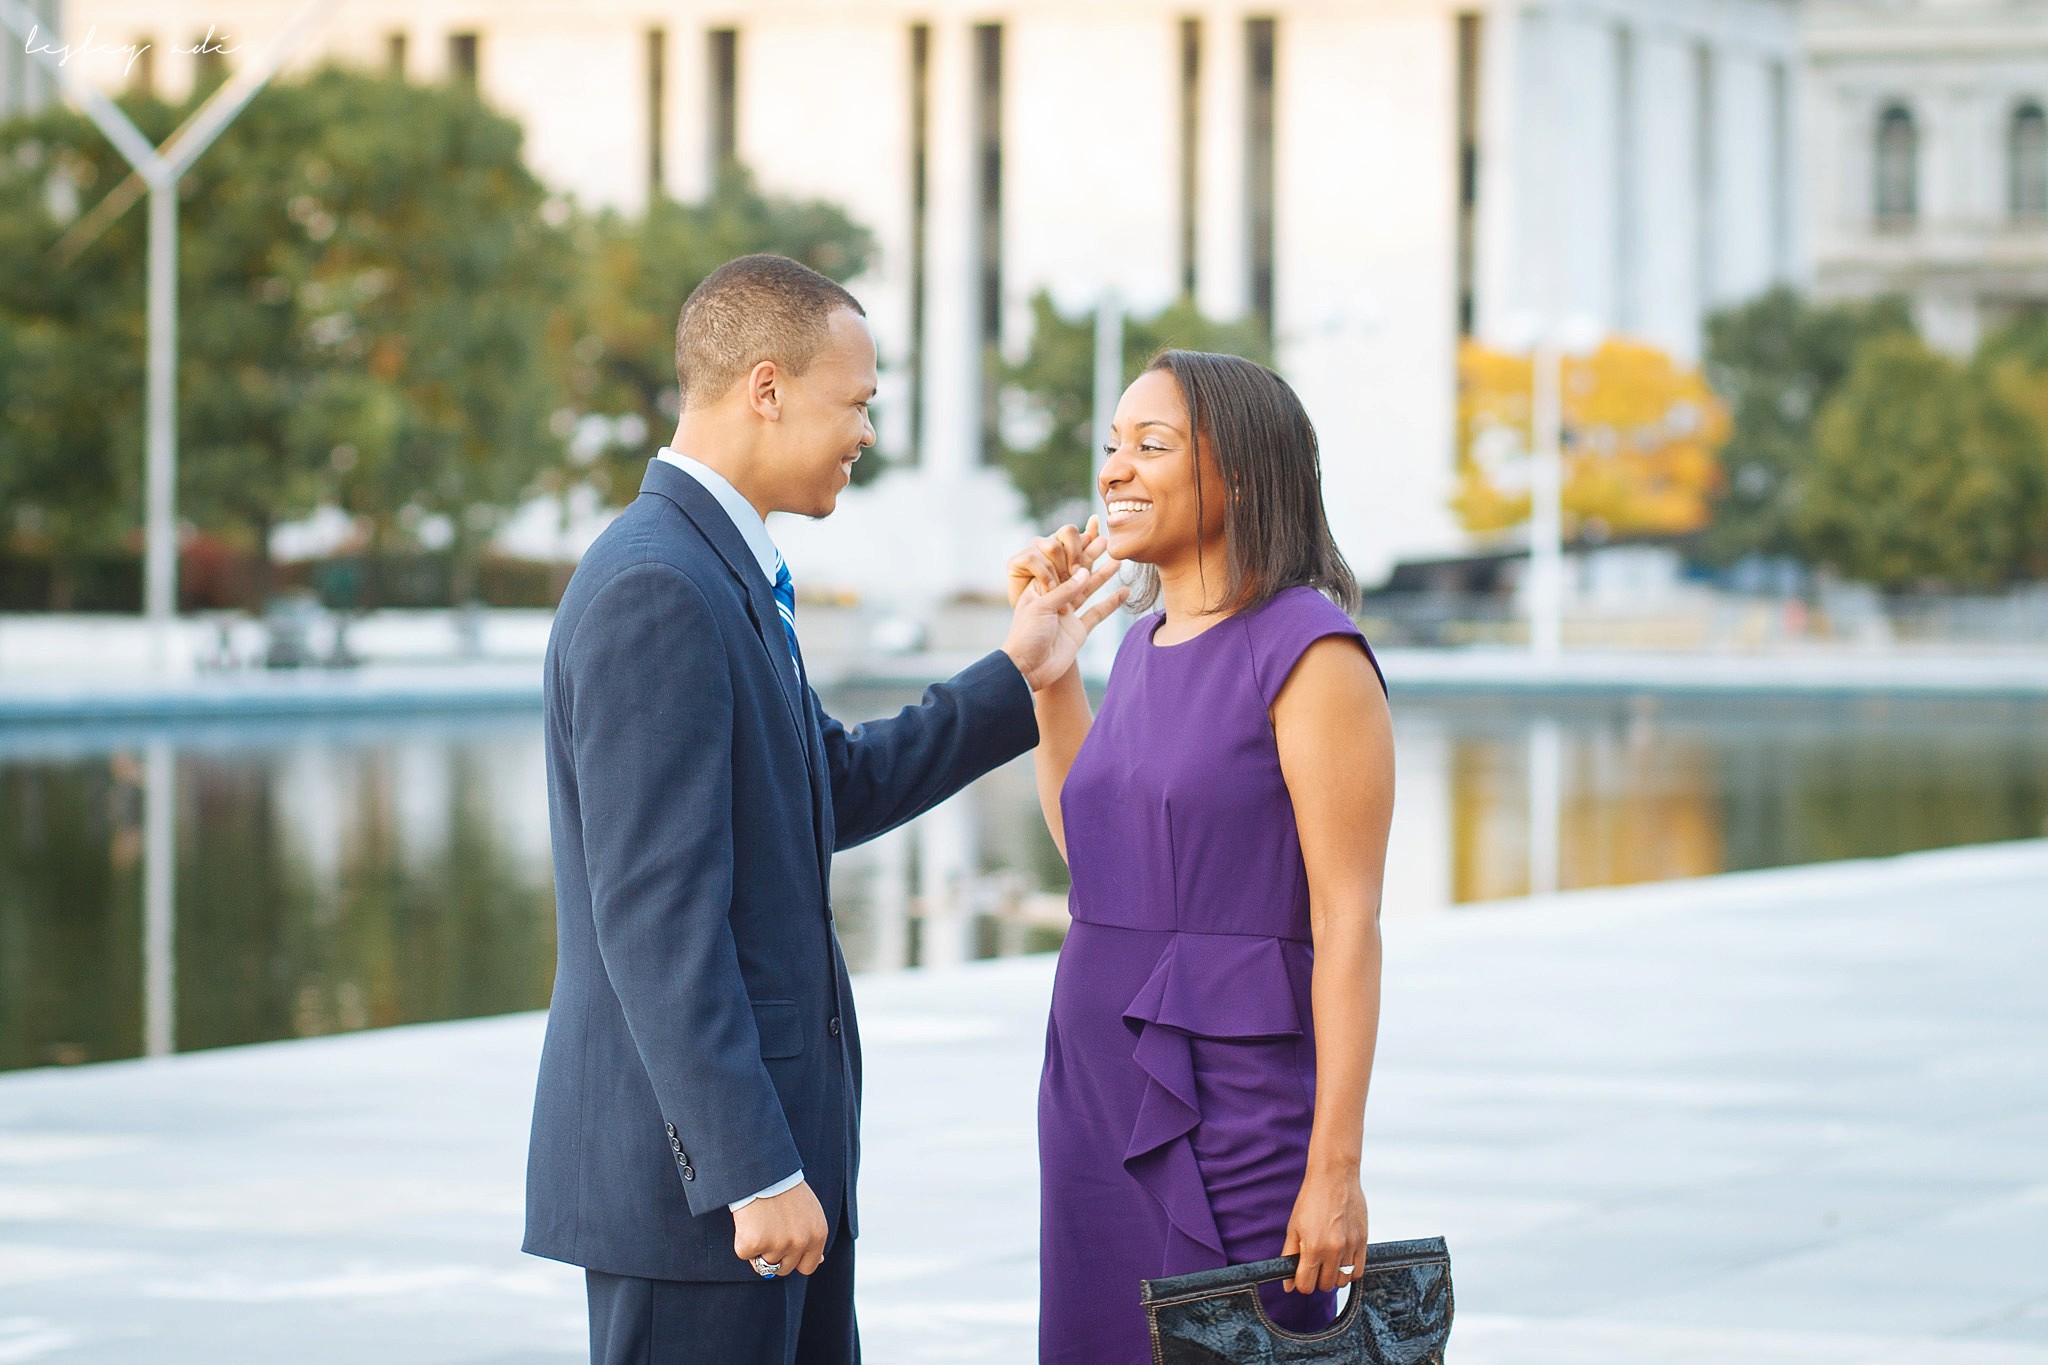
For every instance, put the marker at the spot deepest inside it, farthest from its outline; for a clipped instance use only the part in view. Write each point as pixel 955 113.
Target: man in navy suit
pixel 695 1127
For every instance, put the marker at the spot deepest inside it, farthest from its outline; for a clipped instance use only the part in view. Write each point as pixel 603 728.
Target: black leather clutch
pixel 1398 1313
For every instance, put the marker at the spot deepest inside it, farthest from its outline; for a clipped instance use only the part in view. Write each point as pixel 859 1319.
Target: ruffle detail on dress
pixel 1220 986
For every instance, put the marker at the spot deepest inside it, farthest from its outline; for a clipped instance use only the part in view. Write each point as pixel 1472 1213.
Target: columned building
pixel 1636 163
pixel 1931 121
pixel 1373 179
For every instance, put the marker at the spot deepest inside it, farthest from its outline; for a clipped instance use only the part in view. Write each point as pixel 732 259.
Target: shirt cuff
pixel 779 1187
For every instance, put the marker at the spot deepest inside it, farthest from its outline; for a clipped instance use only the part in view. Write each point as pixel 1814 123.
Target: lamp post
pixel 160 169
pixel 1550 347
pixel 1551 344
pixel 1546 501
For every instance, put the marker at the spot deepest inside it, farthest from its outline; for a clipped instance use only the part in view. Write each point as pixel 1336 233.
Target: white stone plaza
pixel 1775 1117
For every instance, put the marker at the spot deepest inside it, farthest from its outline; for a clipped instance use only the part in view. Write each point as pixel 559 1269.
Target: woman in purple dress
pixel 1225 822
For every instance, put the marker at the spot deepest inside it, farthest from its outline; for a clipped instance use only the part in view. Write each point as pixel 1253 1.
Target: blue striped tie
pixel 785 607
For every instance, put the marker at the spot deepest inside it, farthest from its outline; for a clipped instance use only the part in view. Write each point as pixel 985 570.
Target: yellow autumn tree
pixel 1642 434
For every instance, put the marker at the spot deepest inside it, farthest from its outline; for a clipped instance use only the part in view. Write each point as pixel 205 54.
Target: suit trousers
pixel 789 1320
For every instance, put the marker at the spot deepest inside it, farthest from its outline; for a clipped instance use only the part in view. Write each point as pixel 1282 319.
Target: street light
pixel 1549 345
pixel 161 168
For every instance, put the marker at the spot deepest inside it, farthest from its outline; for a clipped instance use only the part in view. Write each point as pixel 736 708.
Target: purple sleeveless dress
pixel 1179 1082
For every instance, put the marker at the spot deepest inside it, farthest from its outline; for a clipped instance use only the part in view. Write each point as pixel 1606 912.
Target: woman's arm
pixel 1062 708
pixel 1063 721
pixel 1336 743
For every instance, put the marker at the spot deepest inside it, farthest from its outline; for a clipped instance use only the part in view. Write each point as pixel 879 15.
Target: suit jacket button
pixel 833 1027
pixel 671 1129
pixel 688 1172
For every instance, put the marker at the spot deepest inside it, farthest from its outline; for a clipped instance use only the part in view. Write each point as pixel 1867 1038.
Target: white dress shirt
pixel 755 532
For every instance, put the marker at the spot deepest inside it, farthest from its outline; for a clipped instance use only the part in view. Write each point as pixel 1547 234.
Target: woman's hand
pixel 1328 1231
pixel 1051 581
pixel 1049 561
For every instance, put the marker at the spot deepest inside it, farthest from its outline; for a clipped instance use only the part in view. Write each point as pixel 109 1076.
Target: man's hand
pixel 786 1229
pixel 1050 582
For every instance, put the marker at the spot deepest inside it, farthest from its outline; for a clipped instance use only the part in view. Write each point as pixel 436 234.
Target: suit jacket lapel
pixel 709 518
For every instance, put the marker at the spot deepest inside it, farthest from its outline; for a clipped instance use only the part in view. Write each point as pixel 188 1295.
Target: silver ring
pixel 765 1269
pixel 1348 1269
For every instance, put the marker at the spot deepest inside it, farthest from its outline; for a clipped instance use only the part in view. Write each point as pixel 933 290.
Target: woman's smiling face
pixel 1148 478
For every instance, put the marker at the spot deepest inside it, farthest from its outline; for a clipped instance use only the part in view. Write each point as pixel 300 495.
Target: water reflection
pixel 325 880
pixel 335 877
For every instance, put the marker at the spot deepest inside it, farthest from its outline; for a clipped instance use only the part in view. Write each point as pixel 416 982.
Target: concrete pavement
pixel 1781 1117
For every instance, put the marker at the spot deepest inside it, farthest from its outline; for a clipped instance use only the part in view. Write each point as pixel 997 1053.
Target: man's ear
pixel 764 390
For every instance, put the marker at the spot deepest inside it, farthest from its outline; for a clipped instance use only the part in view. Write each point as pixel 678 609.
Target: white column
pixel 686 169
pixel 1708 161
pixel 952 362
pixel 1501 286
pixel 1743 234
pixel 1852 211
pixel 1628 189
pixel 1787 189
pixel 1944 153
pixel 1976 145
pixel 952 314
pixel 1583 186
pixel 1222 271
pixel 1541 105
pixel 1842 140
pixel 1664 313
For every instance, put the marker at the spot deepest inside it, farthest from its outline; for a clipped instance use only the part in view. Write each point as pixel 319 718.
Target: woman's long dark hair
pixel 1275 534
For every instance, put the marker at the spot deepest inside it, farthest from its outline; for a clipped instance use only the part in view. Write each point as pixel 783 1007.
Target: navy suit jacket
pixel 701 1043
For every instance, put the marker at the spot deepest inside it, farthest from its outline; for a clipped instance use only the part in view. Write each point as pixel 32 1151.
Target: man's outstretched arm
pixel 887 771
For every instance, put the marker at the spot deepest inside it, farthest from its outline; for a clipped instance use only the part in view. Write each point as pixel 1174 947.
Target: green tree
pixel 368 291
pixel 636 274
pixel 1775 361
pixel 2012 363
pixel 71 349
pixel 1047 447
pixel 389 246
pixel 1914 482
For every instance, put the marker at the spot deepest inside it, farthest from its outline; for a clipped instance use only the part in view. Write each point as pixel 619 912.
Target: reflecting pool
pixel 337 876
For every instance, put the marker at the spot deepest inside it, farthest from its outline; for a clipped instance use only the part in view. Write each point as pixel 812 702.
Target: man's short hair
pixel 751 309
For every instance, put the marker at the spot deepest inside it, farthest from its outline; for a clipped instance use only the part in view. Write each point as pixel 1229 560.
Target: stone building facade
pixel 1373 179
pixel 1929 122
